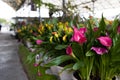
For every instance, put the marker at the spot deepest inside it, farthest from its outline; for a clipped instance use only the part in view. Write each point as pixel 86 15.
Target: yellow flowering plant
pixel 53 34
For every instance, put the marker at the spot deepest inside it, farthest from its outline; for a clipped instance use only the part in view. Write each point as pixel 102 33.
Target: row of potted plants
pixel 89 48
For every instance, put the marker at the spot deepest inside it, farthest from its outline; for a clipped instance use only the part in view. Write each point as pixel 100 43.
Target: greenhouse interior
pixel 59 39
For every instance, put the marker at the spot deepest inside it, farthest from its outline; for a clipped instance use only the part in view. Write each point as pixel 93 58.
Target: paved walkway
pixel 10 66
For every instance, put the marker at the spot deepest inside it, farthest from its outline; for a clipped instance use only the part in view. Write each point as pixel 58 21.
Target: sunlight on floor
pixel 5 29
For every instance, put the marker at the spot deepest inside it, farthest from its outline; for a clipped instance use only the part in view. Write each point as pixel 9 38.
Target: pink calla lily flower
pixel 118 29
pixel 39 42
pixel 78 36
pixel 95 29
pixel 83 30
pixel 69 50
pixel 105 41
pixel 99 50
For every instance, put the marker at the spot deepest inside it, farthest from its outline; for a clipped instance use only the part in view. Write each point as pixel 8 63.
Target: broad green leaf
pixel 58 60
pixel 101 27
pixel 78 65
pixel 69 66
pixel 102 24
pixel 114 27
pixel 34 38
pixel 60 47
pixel 116 58
pixel 30 58
pixel 90 28
pixel 77 50
pixel 115 49
pixel 89 53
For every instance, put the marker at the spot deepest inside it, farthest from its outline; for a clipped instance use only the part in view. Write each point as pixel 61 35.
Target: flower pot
pixel 117 77
pixel 28 44
pixel 54 70
pixel 63 75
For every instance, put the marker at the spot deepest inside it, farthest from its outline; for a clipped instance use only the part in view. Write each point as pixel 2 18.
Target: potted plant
pixel 93 50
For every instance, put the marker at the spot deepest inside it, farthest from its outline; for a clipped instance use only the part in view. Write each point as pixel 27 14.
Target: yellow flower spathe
pixel 64 38
pixel 70 29
pixel 66 23
pixel 19 30
pixel 31 31
pixel 46 25
pixel 56 35
pixel 51 39
pixel 39 31
pixel 24 27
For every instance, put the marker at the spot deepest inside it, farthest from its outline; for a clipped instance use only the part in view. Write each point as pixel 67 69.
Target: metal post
pixel 93 6
pixel 39 15
pixel 39 11
pixel 63 3
pixel 64 12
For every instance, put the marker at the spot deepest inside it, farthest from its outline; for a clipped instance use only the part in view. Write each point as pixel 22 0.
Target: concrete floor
pixel 10 66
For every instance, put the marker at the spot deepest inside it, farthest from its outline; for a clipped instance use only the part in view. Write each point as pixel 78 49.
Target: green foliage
pixel 78 65
pixel 3 20
pixel 90 53
pixel 56 37
pixel 60 47
pixel 39 2
pixel 30 69
pixel 58 60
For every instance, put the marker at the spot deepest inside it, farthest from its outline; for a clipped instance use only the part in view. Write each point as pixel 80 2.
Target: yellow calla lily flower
pixel 51 38
pixel 64 38
pixel 31 31
pixel 19 30
pixel 56 35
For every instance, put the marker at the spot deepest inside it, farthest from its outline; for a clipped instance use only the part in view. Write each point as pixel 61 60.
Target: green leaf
pixel 102 24
pixel 30 58
pixel 101 27
pixel 89 53
pixel 34 38
pixel 114 26
pixel 58 60
pixel 60 47
pixel 69 66
pixel 78 65
pixel 115 48
pixel 78 52
pixel 90 27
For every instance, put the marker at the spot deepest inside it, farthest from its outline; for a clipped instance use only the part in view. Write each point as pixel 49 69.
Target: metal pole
pixel 39 17
pixel 63 3
pixel 64 12
pixel 93 6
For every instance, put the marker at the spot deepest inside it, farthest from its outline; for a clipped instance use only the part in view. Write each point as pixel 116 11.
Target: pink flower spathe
pixel 69 50
pixel 118 29
pixel 39 42
pixel 105 41
pixel 78 36
pixel 35 64
pixel 95 29
pixel 83 30
pixel 99 50
pixel 39 74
